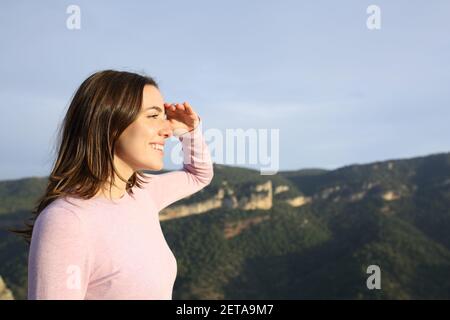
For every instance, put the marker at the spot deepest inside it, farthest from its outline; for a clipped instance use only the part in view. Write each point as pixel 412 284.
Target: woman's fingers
pixel 173 107
pixel 178 106
pixel 169 106
pixel 182 115
pixel 188 108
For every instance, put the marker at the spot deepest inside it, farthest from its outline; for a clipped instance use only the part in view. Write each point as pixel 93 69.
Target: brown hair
pixel 104 105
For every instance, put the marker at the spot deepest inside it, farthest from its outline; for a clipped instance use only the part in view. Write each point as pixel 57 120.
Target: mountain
pixel 296 235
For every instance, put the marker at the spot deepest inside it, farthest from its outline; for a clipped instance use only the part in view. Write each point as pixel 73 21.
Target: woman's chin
pixel 155 167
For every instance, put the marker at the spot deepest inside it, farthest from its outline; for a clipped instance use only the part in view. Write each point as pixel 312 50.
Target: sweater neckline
pixel 101 199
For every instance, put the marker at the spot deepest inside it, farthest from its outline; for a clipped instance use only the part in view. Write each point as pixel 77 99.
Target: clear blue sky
pixel 339 93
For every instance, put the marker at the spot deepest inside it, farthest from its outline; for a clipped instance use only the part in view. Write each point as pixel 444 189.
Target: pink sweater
pixel 99 249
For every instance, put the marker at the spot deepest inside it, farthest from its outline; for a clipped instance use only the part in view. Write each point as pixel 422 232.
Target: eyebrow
pixel 154 107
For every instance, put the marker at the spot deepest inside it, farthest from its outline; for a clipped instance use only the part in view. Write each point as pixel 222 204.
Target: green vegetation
pixel 320 250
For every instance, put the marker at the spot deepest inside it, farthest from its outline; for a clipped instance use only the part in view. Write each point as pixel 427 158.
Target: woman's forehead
pixel 152 97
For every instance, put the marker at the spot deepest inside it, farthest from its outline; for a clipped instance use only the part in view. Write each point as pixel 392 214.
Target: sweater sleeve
pixel 58 261
pixel 196 174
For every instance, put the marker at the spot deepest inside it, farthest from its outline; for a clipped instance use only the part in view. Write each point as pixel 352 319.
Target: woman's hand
pixel 182 117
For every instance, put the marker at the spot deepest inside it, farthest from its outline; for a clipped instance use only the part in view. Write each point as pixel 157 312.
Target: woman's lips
pixel 161 152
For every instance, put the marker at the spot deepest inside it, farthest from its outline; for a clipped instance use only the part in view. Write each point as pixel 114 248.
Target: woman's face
pixel 134 148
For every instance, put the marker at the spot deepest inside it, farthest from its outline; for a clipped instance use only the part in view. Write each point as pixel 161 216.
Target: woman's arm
pixel 196 174
pixel 58 262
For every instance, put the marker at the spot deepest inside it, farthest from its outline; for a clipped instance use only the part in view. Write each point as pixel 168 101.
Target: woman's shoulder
pixel 57 225
pixel 63 210
pixel 57 217
pixel 68 203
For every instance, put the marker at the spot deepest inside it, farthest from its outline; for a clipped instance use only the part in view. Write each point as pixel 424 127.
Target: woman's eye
pixel 156 116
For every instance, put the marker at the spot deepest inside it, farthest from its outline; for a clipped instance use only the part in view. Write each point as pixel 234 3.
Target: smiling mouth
pixel 158 148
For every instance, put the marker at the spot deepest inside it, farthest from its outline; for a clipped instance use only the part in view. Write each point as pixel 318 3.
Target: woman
pixel 96 231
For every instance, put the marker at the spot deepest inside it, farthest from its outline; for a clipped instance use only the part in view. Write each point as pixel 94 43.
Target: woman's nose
pixel 166 129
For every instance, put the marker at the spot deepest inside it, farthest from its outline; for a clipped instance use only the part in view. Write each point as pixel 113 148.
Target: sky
pixel 338 92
